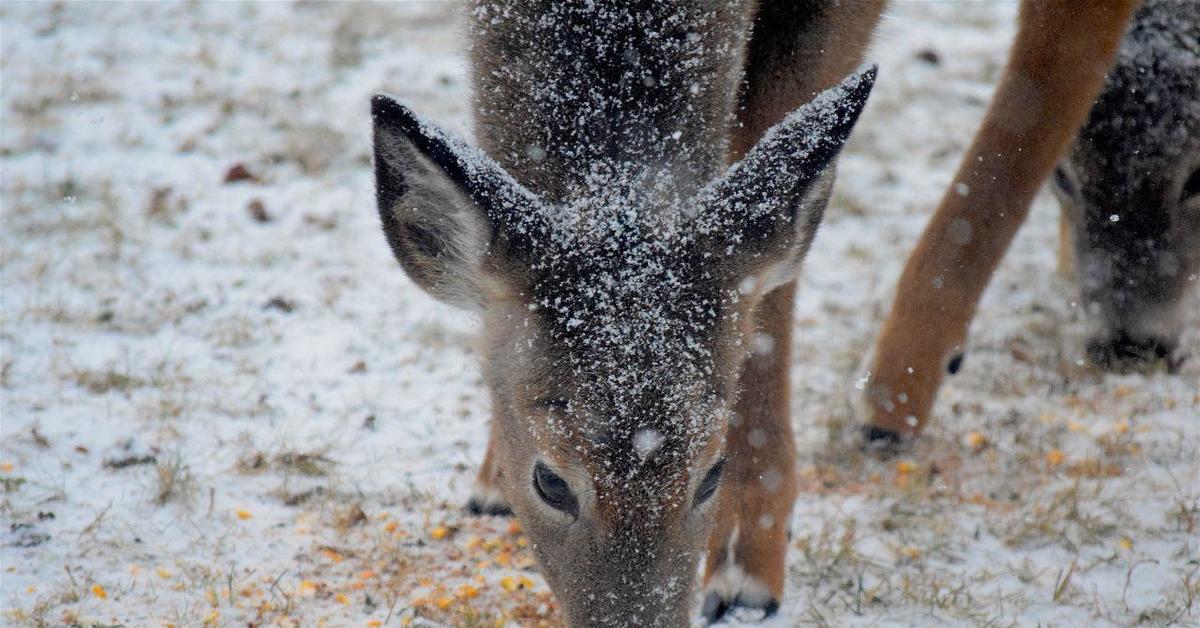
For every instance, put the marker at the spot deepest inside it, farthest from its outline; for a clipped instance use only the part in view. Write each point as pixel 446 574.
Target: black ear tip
pixel 388 110
pixel 860 83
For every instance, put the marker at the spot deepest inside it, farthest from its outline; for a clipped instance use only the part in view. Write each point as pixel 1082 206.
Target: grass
pixel 174 481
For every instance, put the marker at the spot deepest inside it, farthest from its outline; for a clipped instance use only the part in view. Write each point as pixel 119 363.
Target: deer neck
pixel 584 100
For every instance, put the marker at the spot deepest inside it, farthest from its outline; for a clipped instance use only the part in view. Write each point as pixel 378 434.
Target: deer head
pixel 1129 188
pixel 614 330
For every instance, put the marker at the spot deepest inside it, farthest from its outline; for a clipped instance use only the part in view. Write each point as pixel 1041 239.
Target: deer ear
pixel 773 199
pixel 440 202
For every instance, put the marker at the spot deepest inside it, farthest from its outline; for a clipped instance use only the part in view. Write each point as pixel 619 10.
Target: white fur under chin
pixel 733 583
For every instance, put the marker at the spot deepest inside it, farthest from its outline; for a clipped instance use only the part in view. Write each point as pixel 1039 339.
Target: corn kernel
pixel 905 467
pixel 976 441
pixel 244 514
pixel 6 467
pixel 439 533
pixel 1055 457
pixel 444 602
pixel 514 527
pixel 509 583
pixel 1126 543
pixel 467 592
pixel 99 592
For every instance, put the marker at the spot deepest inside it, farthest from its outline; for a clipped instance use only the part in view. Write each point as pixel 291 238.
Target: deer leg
pixel 1055 70
pixel 748 544
pixel 486 498
pixel 797 49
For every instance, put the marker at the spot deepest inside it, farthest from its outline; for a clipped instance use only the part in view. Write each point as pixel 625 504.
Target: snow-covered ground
pixel 223 402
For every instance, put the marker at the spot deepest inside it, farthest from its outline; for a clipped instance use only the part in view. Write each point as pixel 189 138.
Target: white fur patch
pixel 733 583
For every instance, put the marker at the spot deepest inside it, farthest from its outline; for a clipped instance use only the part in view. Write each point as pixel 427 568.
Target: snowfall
pixel 223 403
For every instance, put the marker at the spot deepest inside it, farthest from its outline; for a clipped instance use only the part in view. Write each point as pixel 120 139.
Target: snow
pixel 289 378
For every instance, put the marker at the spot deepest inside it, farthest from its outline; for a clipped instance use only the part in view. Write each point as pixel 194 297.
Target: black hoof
pixel 494 509
pixel 882 442
pixel 716 607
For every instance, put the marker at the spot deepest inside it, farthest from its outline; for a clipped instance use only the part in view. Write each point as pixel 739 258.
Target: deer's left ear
pixel 770 203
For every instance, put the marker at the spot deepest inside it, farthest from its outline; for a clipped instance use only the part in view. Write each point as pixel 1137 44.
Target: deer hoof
pixel 882 442
pixel 488 501
pixel 734 588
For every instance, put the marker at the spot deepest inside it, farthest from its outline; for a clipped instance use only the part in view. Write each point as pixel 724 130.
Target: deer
pixel 1129 190
pixel 646 180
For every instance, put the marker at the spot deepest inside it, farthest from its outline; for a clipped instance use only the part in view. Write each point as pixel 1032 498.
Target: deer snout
pixel 1122 352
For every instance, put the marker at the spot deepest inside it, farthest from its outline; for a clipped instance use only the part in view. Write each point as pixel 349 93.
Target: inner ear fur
pixel 439 202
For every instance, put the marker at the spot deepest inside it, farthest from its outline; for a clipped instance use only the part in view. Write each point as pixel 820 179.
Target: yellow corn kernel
pixel 439 533
pixel 1055 457
pixel 99 592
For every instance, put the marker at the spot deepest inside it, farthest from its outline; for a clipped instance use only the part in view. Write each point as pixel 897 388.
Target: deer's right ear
pixel 439 201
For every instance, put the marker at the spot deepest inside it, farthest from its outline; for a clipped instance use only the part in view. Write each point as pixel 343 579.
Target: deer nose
pixel 1122 352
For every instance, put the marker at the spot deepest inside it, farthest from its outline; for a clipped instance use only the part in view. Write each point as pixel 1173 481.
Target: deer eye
pixel 554 490
pixel 711 481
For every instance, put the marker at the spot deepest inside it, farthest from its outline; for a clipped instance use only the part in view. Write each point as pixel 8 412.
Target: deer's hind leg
pixel 1055 69
pixel 798 49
